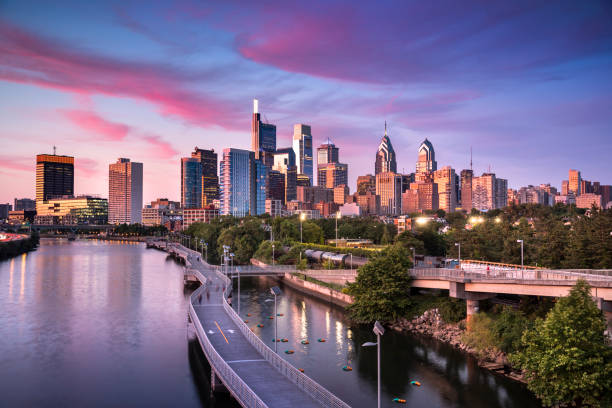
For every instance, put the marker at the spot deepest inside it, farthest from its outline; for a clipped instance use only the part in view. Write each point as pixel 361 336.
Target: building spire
pixel 471 159
pixel 385 128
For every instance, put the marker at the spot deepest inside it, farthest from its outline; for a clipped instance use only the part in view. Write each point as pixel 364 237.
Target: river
pixel 99 324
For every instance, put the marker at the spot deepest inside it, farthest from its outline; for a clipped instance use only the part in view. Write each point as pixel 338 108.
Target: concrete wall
pixel 322 292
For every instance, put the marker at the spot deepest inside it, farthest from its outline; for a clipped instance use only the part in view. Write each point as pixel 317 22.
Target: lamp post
pixel 379 330
pixel 413 258
pixel 302 218
pixel 272 254
pixel 338 215
pixel 522 268
pixel 351 260
pixel 458 244
pixel 276 292
pixel 231 268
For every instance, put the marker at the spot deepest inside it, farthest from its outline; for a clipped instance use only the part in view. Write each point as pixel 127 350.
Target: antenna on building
pixel 471 159
pixel 385 128
pixel 489 169
pixel 54 149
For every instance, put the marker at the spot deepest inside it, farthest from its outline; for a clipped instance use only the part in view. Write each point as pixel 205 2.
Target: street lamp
pixel 458 244
pixel 413 258
pixel 351 260
pixel 338 215
pixel 302 218
pixel 272 254
pixel 521 242
pixel 232 267
pixel 379 330
pixel 276 292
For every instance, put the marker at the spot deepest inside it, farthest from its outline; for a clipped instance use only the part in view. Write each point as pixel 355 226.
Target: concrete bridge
pixel 240 362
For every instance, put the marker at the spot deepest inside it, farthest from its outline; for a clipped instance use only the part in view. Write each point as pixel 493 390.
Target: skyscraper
pixel 327 153
pixel 446 179
pixel 242 183
pixel 389 188
pixel 210 179
pixel 332 175
pixel 125 192
pixel 466 189
pixel 191 182
pixel 302 146
pixel 263 136
pixel 284 162
pixel 574 182
pixel 427 158
pixel 489 192
pixel 54 176
pixel 385 156
pixel 366 184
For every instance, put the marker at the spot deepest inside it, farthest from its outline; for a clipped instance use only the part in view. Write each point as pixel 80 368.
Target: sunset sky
pixel 527 84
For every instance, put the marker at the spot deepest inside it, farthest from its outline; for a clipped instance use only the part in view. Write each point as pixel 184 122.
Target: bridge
pixel 240 362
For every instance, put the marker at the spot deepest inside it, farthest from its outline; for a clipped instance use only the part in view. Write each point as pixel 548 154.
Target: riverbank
pixel 14 247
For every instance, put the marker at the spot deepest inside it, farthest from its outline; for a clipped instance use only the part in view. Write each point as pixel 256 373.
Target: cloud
pixel 90 121
pixel 159 147
pixel 86 167
pixel 16 163
pixel 31 59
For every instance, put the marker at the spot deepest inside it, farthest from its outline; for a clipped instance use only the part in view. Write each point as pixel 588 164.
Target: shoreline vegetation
pixel 12 249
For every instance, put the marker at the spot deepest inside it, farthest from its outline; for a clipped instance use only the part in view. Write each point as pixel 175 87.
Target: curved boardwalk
pixel 250 370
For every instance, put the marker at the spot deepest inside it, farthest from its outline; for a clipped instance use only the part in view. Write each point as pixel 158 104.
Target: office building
pixel 385 156
pixel 284 162
pixel 389 188
pixel 340 194
pixel 314 194
pixel 263 136
pixel 125 192
pixel 366 184
pixel 489 192
pixel 302 146
pixel 448 183
pixel 303 180
pixel 407 179
pixel 426 161
pixel 210 178
pixel 466 189
pixel 589 200
pixel 73 210
pixel 21 204
pixel 421 196
pixel 368 202
pixel 54 176
pixel 259 182
pixel 191 182
pixel 331 175
pixel 565 187
pixel 162 212
pixel 193 215
pixel 238 183
pixel 327 153
pixel 4 211
pixel 274 208
pixel 276 186
pixel 574 182
pixel 501 193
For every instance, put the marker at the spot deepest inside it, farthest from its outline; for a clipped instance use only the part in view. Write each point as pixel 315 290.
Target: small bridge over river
pixel 240 362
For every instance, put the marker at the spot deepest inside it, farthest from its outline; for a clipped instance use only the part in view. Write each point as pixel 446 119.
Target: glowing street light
pixel 302 218
pixel 521 242
pixel 422 220
pixel 338 216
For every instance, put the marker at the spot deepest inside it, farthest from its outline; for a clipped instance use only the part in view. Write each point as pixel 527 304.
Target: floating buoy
pixel 280 314
pixel 301 370
pixel 270 317
pixel 305 342
pixel 418 384
pixel 246 321
pixel 276 341
pixel 285 340
pixel 347 368
pixel 289 351
pixel 248 315
pixel 321 340
pixel 399 400
pixel 260 325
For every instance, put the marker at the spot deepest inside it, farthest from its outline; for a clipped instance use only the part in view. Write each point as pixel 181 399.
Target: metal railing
pixel 524 275
pixel 238 388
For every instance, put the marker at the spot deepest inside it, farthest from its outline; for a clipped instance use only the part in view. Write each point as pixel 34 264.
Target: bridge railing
pixel 305 383
pixel 242 392
pixel 513 274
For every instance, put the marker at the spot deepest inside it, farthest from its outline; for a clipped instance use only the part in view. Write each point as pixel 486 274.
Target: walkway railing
pixel 528 275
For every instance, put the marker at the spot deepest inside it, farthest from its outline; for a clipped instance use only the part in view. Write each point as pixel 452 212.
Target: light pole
pixel 458 244
pixel 522 268
pixel 379 330
pixel 272 254
pixel 232 267
pixel 413 258
pixel 338 215
pixel 302 218
pixel 276 292
pixel 351 260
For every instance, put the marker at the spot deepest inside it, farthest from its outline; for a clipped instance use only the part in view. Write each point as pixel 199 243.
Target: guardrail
pixel 238 388
pixel 529 275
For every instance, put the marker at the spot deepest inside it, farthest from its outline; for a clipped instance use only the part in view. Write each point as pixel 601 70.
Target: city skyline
pixel 524 111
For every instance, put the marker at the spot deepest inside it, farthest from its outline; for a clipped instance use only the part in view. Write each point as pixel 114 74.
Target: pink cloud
pixel 14 163
pixel 86 167
pixel 92 122
pixel 158 147
pixel 31 59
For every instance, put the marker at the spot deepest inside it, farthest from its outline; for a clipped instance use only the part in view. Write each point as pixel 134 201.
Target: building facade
pixel 125 192
pixel 24 204
pixel 466 190
pixel 366 184
pixel 191 182
pixel 389 188
pixel 385 156
pixel 574 182
pixel 210 179
pixel 54 176
pixel 236 182
pixel 426 161
pixel 448 183
pixel 193 215
pixel 73 210
pixel 263 136
pixel 302 146
pixel 332 175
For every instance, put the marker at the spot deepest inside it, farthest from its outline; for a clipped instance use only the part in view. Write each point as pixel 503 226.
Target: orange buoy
pixel 301 370
pixel 418 384
pixel 260 325
pixel 289 351
pixel 246 321
pixel 305 342
pixel 347 368
pixel 399 400
pixel 321 340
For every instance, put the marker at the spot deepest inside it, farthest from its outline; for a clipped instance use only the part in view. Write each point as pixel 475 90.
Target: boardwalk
pixel 250 370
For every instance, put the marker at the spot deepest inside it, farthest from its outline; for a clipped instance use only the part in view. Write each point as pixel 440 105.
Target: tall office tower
pixel 586 187
pixel 332 175
pixel 191 182
pixel 327 153
pixel 4 211
pixel 276 186
pixel 303 180
pixel 501 193
pixel 237 183
pixel 366 183
pixel 574 182
pixel 125 192
pixel 210 179
pixel 54 176
pixel 427 158
pixel 421 196
pixel 389 188
pixel 24 204
pixel 489 192
pixel 565 187
pixel 302 146
pixel 263 136
pixel 466 189
pixel 385 156
pixel 284 162
pixel 259 183
pixel 446 179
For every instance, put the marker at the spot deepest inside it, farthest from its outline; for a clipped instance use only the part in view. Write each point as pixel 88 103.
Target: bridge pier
pixel 472 299
pixel 215 383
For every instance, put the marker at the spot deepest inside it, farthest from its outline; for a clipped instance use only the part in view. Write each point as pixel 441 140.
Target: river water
pixel 99 324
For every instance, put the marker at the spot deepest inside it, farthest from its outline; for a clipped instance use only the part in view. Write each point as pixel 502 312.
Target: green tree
pixel 382 287
pixel 566 357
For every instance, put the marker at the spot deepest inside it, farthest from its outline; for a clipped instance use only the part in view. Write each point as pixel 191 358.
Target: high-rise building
pixel 24 204
pixel 389 188
pixel 427 158
pixel 385 156
pixel 303 180
pixel 366 183
pixel 241 183
pixel 276 186
pixel 447 181
pixel 314 194
pixel 125 192
pixel 54 176
pixel 489 192
pixel 588 200
pixel 210 178
pixel 191 182
pixel 302 146
pixel 259 184
pixel 369 203
pixel 466 189
pixel 332 175
pixel 327 153
pixel 565 187
pixel 4 211
pixel 574 182
pixel 501 193
pixel 340 193
pixel 422 195
pixel 71 210
pixel 407 179
pixel 284 162
pixel 263 136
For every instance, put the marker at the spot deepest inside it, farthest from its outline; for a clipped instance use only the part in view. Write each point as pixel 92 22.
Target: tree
pixel 382 287
pixel 565 356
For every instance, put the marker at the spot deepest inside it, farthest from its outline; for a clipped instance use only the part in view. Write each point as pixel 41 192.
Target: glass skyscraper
pixel 54 176
pixel 210 178
pixel 263 135
pixel 191 182
pixel 302 146
pixel 125 192
pixel 236 183
pixel 261 179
